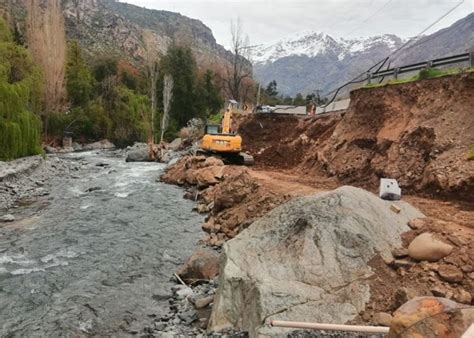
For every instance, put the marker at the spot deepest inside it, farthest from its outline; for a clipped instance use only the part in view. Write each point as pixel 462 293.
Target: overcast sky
pixel 270 20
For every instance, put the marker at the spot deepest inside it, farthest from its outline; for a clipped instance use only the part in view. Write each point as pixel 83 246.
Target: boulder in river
pixel 203 264
pixel 138 155
pixel 307 260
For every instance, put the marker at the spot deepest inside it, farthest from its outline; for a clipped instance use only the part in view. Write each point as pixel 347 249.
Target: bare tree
pixel 153 79
pixel 239 68
pixel 167 96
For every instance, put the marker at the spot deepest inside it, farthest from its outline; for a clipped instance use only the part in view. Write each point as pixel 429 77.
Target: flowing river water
pixel 97 258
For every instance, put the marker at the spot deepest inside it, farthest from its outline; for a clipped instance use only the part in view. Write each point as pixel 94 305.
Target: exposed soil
pixel 418 133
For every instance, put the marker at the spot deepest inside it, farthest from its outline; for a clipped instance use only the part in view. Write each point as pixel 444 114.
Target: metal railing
pixel 449 60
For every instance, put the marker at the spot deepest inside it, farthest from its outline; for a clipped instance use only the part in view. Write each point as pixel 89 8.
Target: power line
pixel 427 28
pixel 372 15
pixel 383 61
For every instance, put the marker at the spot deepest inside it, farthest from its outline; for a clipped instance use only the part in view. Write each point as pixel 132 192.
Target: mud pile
pixel 281 141
pixel 229 195
pixel 419 133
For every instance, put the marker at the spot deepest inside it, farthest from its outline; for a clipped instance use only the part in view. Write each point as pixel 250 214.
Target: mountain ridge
pixel 316 61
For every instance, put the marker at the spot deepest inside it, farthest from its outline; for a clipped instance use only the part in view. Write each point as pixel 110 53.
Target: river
pixel 94 257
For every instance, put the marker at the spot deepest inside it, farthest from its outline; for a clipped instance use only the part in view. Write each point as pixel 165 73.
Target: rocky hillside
pixel 109 27
pixel 310 61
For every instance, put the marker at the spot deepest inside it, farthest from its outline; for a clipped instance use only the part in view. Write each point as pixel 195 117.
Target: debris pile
pixel 434 260
pixel 230 196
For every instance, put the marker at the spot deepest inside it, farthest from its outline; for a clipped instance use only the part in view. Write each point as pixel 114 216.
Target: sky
pixel 267 21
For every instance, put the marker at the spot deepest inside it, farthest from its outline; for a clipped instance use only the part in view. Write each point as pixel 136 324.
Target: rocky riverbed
pixel 93 247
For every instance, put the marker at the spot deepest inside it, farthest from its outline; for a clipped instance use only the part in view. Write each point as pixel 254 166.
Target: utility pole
pixel 258 93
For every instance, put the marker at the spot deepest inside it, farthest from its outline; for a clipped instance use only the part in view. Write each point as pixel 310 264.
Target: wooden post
pixel 369 77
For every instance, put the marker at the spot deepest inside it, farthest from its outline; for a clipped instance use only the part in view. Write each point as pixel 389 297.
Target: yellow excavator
pixel 223 140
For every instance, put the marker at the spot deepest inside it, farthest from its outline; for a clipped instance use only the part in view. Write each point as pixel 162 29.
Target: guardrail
pixel 449 60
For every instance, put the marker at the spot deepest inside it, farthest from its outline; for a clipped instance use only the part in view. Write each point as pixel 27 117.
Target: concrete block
pixel 389 189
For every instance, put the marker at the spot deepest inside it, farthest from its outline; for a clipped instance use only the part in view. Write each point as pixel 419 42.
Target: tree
pixel 271 89
pixel 20 98
pixel 167 96
pixel 209 95
pixel 79 80
pixel 104 68
pixel 239 68
pixel 299 100
pixel 180 64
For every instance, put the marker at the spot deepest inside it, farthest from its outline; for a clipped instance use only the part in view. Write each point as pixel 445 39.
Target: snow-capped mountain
pixel 310 61
pixel 312 44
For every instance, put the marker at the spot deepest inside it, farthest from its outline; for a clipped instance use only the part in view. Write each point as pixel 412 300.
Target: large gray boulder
pixel 138 155
pixel 306 261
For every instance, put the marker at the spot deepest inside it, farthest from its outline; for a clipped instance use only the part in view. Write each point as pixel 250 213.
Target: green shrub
pixel 430 73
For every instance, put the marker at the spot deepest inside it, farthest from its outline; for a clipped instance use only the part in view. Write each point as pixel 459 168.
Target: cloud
pixel 266 21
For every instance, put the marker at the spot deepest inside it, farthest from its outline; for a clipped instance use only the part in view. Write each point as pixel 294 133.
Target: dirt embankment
pixel 419 133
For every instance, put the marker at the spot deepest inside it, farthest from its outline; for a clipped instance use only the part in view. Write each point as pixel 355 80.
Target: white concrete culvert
pixel 306 261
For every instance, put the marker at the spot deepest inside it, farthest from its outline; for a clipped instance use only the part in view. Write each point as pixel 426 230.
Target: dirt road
pixel 285 183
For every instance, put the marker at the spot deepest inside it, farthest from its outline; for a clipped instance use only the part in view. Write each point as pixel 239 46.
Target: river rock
pixel 138 155
pixel 383 318
pixel 103 144
pixel 307 260
pixel 50 150
pixel 450 273
pixel 175 144
pixel 426 247
pixel 7 218
pixel 203 264
pixel 203 302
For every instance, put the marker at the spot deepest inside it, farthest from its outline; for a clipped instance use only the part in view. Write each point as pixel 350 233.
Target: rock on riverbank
pixel 306 260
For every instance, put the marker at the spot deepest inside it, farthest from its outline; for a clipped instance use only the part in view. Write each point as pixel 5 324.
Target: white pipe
pixel 330 327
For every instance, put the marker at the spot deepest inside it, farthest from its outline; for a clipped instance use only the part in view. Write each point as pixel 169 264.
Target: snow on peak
pixel 311 44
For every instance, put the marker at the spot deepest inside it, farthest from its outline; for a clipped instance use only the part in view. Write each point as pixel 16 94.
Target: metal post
pixel 471 59
pixel 395 73
pixel 369 77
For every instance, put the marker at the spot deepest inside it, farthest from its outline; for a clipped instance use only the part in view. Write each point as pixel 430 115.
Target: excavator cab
pixel 223 140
